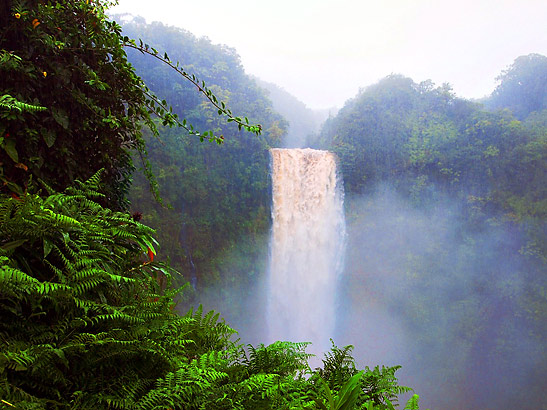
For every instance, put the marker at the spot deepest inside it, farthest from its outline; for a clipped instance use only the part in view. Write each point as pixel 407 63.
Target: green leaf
pixel 60 117
pixel 349 392
pixel 9 146
pixel 413 403
pixel 389 405
pixel 48 246
pixel 320 404
pixel 49 137
pixel 14 188
pixel 13 244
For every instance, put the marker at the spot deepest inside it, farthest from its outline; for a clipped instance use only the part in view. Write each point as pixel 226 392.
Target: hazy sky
pixel 323 51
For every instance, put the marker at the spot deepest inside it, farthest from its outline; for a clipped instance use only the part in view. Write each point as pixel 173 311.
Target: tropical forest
pixel 176 233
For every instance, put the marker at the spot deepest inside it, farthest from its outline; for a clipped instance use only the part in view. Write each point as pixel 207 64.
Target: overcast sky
pixel 323 51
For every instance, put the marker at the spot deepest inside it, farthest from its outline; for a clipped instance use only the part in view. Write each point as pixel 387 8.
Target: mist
pixel 424 290
pixel 240 293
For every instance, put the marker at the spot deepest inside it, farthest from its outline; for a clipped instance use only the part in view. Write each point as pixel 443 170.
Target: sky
pixel 324 51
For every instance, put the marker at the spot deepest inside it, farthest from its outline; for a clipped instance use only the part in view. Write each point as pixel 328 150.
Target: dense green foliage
pixel 83 79
pixel 220 196
pixel 81 316
pixel 446 205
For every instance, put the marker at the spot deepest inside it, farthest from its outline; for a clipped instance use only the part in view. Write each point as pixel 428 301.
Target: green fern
pixel 75 293
pixel 412 403
pixel 338 366
pixel 86 324
pixel 380 385
pixel 208 331
pixel 347 397
pixel 9 103
pixel 283 358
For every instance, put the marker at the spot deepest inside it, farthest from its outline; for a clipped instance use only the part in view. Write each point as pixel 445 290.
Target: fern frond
pixel 412 403
pixel 14 282
pixel 265 384
pixel 380 384
pixel 284 358
pixel 117 317
pixel 12 104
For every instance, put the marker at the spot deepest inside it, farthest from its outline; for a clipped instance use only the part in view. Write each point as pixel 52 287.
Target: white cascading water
pixel 306 247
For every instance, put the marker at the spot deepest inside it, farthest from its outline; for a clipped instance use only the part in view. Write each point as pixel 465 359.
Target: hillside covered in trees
pixel 446 201
pixel 219 195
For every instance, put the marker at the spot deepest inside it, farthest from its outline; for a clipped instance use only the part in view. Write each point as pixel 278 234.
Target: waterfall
pixel 306 246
